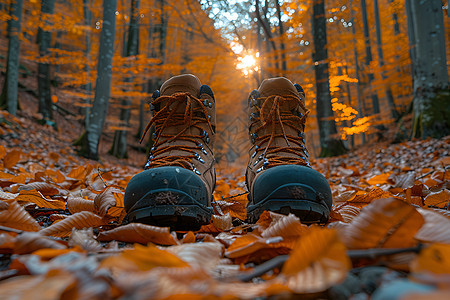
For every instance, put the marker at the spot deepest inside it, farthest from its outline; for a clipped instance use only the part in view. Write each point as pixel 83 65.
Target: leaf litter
pixel 61 232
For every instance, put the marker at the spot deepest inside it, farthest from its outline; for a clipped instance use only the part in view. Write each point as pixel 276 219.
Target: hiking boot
pixel 279 176
pixel 176 187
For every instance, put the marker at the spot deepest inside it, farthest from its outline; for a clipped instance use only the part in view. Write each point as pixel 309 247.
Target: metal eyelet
pixel 154 135
pixel 260 169
pixel 256 162
pixel 196 171
pixel 207 140
pixel 205 103
pixel 254 154
pixel 210 105
pixel 266 162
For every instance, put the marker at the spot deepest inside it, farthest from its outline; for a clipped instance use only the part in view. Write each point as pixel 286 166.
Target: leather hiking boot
pixel 279 176
pixel 176 187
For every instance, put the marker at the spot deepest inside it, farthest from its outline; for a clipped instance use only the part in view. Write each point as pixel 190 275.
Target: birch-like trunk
pixel 99 109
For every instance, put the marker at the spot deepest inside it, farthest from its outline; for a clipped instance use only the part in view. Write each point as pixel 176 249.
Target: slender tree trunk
pixel 431 86
pixel 387 86
pixel 349 103
pixel 361 103
pixel 88 86
pixel 266 28
pixel 44 80
pixel 281 32
pixel 411 37
pixel 119 146
pixel 329 143
pixel 374 96
pixel 103 85
pixel 260 50
pixel 8 98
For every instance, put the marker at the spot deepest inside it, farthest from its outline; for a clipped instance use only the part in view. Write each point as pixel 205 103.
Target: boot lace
pixel 271 116
pixel 194 114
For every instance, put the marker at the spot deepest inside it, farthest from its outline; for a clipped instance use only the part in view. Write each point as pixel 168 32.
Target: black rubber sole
pixel 172 211
pixel 309 212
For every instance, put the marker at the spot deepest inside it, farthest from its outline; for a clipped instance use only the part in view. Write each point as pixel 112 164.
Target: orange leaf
pixel 35 197
pixel 2 151
pixel 440 199
pixel 379 179
pixel 188 238
pixel 434 259
pixel 145 258
pixel 286 227
pixel 387 223
pixel 78 204
pixel 17 217
pixel 139 233
pixel 11 158
pixel 318 261
pixel 363 198
pixel 79 220
pixel 44 188
pixel 222 222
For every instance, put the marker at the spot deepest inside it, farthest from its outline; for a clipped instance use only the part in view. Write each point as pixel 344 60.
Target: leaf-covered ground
pixel 60 233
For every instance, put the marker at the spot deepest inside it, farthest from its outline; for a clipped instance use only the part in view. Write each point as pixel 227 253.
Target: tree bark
pixel 9 95
pixel 44 80
pixel 119 146
pixel 431 87
pixel 374 96
pixel 329 143
pixel 103 84
pixel 88 86
pixel 267 32
pixel 281 32
pixel 387 86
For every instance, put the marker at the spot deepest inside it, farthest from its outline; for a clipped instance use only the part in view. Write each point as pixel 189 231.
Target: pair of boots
pixel 176 187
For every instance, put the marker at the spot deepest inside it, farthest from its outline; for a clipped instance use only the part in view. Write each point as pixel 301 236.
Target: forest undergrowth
pixel 61 235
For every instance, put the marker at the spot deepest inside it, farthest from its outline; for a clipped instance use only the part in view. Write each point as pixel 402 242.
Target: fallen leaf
pixel 35 197
pixel 28 242
pixel 385 223
pixel 139 233
pixel 44 188
pixel 439 199
pixel 11 158
pixel 436 228
pixel 79 220
pixel 434 259
pixel 78 204
pixel 16 217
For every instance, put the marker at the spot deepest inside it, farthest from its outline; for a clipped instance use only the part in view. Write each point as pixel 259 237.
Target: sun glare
pixel 248 63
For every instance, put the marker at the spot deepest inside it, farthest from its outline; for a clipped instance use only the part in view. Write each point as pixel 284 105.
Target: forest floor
pixel 60 235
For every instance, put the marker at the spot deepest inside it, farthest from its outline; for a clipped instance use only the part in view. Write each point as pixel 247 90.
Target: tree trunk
pixel 44 80
pixel 119 146
pixel 431 87
pixel 103 84
pixel 387 86
pixel 88 86
pixel 329 143
pixel 281 32
pixel 268 33
pixel 8 99
pixel 374 96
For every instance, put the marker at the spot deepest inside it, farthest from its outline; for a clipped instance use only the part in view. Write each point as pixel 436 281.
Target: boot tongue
pixel 280 86
pixel 181 84
pixel 277 86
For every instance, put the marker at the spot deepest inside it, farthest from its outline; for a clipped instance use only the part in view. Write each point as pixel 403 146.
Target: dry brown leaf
pixel 17 217
pixel 379 179
pixel 7 242
pixel 236 206
pixel 84 238
pixel 201 255
pixel 318 261
pixel 385 223
pixel 440 199
pixel 35 197
pixel 79 220
pixel 78 204
pixel 348 212
pixel 222 223
pixel 44 188
pixel 362 198
pixel 139 233
pixel 286 227
pixel 11 158
pixel 143 258
pixel 54 285
pixel 110 202
pixel 188 238
pixel 3 205
pixel 436 228
pixel 28 242
pixel 434 259
pixel 2 151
